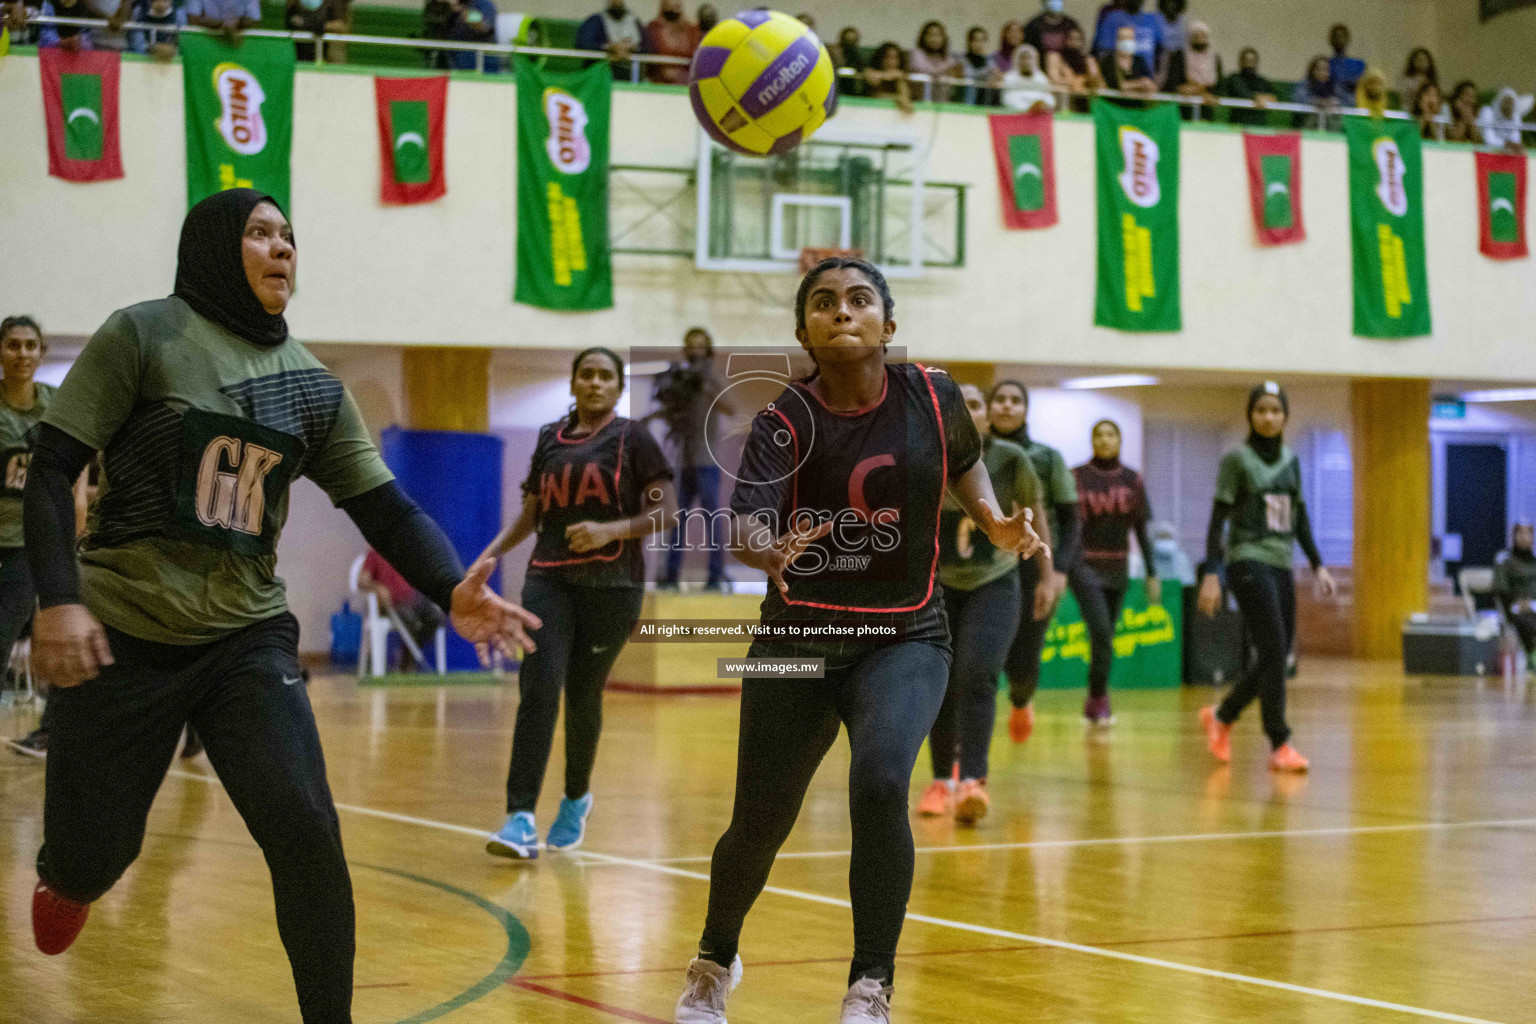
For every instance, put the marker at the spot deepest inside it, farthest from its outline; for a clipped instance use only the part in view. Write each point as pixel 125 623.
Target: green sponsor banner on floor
pixel 239 114
pixel 563 254
pixel 1138 187
pixel 1386 227
pixel 1149 643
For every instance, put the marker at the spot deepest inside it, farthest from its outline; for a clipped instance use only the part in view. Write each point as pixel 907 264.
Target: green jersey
pixel 967 558
pixel 200 433
pixel 1060 485
pixel 1514 577
pixel 18 433
pixel 1266 505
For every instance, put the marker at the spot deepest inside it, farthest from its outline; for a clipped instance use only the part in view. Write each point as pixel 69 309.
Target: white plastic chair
pixel 21 670
pixel 373 652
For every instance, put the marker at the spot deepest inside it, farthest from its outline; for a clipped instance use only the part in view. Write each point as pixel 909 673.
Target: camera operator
pixel 688 394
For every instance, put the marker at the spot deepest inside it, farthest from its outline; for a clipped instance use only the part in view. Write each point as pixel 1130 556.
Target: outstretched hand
pixel 486 619
pixel 1016 533
pixel 788 548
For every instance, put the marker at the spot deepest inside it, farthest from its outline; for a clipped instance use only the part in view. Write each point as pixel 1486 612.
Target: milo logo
pixel 788 74
pixel 1139 179
pixel 240 98
pixel 1390 188
pixel 568 147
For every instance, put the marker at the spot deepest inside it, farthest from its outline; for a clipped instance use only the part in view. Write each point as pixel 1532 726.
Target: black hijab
pixel 210 271
pixel 1268 448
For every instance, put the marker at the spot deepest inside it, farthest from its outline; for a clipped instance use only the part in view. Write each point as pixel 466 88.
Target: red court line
pixel 591 1004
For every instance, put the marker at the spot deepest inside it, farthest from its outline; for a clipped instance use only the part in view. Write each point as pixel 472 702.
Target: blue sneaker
pixel 570 826
pixel 518 838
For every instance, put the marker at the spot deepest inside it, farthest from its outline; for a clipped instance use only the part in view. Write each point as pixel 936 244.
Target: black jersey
pixel 879 475
pixel 1114 503
pixel 598 478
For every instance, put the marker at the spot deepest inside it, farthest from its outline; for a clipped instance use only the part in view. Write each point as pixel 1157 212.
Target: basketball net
pixel 810 257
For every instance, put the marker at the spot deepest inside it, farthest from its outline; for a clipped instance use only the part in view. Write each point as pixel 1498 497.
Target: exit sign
pixel 1446 408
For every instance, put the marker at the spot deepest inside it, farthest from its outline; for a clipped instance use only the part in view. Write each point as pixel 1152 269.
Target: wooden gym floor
pixel 1121 878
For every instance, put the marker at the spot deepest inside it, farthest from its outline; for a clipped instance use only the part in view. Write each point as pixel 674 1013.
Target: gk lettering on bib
pixel 234 473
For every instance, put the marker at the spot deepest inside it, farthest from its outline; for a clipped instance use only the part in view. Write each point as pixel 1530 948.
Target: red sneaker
pixel 971 801
pixel 1021 723
pixel 56 921
pixel 1288 759
pixel 937 800
pixel 1218 735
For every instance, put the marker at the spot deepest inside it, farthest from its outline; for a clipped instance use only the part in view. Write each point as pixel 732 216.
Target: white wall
pixel 443 273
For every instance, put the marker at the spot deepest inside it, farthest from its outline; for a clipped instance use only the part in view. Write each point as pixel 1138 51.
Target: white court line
pixel 1200 837
pixel 997 933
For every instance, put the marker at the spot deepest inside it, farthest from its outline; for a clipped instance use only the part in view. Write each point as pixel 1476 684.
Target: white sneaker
pixel 704 992
pixel 867 1002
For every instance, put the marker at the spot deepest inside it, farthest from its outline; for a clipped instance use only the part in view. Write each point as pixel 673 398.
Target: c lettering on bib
pixel 15 463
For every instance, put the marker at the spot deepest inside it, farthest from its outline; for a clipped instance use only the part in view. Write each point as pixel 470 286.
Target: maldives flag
pixel 411 113
pixel 80 107
pixel 1501 205
pixel 1274 187
pixel 1026 168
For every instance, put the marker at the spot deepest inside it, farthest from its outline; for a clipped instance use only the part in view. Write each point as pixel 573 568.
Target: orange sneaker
pixel 1288 759
pixel 937 800
pixel 971 801
pixel 1021 723
pixel 56 921
pixel 1218 734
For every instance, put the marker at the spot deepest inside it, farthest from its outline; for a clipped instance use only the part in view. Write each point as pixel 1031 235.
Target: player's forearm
pixel 658 515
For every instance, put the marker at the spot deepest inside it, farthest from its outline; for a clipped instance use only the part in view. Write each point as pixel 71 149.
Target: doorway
pixel 1476 503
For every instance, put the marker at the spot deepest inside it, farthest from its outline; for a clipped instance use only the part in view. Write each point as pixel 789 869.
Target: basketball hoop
pixel 810 257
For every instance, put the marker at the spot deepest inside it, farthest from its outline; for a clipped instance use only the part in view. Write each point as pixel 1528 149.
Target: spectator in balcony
pixel 1463 126
pixel 1194 71
pixel 166 17
pixel 846 56
pixel 887 76
pixel 1126 70
pixel 437 20
pixel 977 67
pixel 14 15
pixel 1428 108
pixel 232 17
pixel 1144 28
pixel 1343 70
pixel 931 57
pixel 1514 585
pixel 1026 87
pixel 1073 69
pixel 1247 84
pixel 1172 24
pixel 671 35
pixel 79 37
pixel 1419 71
pixel 616 30
pixel 320 17
pixel 1047 31
pixel 1008 40
pixel 1316 89
pixel 1371 92
pixel 1500 120
pixel 476 23
pixel 707 18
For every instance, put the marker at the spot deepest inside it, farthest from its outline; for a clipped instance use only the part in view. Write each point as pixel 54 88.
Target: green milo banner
pixel 1149 642
pixel 1386 228
pixel 563 259
pixel 1138 186
pixel 239 114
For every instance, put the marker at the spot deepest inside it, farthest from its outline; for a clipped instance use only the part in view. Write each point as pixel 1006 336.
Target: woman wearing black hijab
pixel 204 411
pixel 1258 488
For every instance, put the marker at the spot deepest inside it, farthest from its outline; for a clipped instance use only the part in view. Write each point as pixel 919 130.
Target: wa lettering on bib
pixel 232 471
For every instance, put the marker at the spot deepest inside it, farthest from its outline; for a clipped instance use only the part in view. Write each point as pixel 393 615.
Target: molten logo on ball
pixel 787 76
pixel 568 147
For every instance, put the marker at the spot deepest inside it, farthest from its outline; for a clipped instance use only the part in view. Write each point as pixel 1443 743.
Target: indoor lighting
pixel 1113 380
pixel 1500 395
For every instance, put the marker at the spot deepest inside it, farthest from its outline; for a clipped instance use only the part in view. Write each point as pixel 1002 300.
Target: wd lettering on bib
pixel 232 470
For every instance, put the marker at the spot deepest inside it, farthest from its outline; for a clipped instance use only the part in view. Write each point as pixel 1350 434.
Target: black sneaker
pixel 33 744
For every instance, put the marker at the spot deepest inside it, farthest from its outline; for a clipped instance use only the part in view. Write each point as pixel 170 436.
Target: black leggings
pixel 1525 628
pixel 1023 661
pixel 982 623
pixel 1266 597
pixel 17 600
pixel 584 630
pixel 113 738
pixel 888 700
pixel 1099 603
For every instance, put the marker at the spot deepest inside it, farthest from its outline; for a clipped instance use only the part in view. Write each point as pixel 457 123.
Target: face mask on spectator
pixel 1199 45
pixel 310 5
pixel 1126 46
pixel 671 15
pixel 1054 6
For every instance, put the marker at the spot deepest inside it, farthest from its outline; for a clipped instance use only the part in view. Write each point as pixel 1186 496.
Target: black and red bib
pixel 598 477
pixel 877 474
pixel 1114 504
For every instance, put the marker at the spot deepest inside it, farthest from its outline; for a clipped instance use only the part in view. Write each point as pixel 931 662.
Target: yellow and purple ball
pixel 762 83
